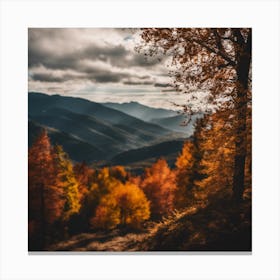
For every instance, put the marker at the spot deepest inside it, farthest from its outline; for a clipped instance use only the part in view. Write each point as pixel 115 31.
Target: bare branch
pixel 217 52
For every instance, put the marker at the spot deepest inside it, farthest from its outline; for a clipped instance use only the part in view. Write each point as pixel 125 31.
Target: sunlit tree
pixel 184 168
pixel 190 169
pixel 159 185
pixel 65 180
pixel 102 184
pixel 118 172
pixel 216 62
pixel 125 205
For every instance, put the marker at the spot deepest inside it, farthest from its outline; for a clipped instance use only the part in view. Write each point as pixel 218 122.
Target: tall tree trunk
pixel 242 70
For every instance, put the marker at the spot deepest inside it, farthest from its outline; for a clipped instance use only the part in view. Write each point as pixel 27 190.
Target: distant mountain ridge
pixel 90 131
pixel 168 119
pixel 140 111
pixel 138 159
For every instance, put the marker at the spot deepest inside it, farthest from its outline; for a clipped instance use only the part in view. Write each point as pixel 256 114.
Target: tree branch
pixel 217 52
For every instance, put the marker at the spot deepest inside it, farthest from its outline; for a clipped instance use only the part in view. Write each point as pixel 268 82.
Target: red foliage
pixel 159 186
pixel 45 199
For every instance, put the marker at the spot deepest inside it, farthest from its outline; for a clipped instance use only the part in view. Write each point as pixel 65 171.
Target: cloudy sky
pixel 97 64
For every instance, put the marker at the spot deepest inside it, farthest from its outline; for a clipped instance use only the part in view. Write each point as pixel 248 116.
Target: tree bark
pixel 242 70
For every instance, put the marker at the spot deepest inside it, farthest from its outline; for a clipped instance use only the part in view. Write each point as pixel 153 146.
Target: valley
pixel 107 134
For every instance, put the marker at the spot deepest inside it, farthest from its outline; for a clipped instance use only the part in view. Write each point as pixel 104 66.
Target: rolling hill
pixel 155 151
pixel 138 159
pixel 39 102
pixel 77 149
pixel 90 131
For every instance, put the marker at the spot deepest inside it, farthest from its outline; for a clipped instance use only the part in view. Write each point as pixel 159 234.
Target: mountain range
pixel 140 111
pixel 108 133
pixel 168 119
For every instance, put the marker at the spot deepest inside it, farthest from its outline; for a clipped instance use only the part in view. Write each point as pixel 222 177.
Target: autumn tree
pixel 184 166
pixel 190 170
pixel 102 184
pixel 84 175
pixel 65 180
pixel 217 159
pixel 125 205
pixel 45 197
pixel 215 61
pixel 217 142
pixel 118 172
pixel 159 186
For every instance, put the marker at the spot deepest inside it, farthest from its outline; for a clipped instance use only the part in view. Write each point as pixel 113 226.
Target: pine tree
pixel 66 180
pixel 45 198
pixel 190 169
pixel 184 168
pixel 218 158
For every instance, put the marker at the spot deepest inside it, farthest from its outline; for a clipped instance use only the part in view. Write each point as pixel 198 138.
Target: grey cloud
pixel 141 60
pixel 101 76
pixel 163 85
pixel 95 52
pixel 168 90
pixel 108 77
pixel 137 83
pixel 65 55
pixel 73 60
pixel 51 48
pixel 53 89
pixel 53 77
pixel 45 47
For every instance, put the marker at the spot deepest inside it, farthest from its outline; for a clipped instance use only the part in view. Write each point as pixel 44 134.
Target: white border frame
pixel 17 16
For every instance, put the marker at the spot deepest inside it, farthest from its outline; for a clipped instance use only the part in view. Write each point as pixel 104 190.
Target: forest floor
pixel 217 226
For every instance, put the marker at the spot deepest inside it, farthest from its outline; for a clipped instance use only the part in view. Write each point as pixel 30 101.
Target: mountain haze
pixel 168 119
pixel 91 131
pixel 140 111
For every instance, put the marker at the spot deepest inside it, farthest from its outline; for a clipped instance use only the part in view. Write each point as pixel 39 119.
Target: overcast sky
pixel 98 64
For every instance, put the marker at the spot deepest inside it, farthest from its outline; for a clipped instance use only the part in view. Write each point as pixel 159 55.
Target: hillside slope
pixel 78 150
pixel 217 226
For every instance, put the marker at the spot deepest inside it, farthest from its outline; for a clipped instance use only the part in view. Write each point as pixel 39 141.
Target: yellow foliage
pixel 118 172
pixel 185 159
pixel 67 181
pixel 184 170
pixel 125 205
